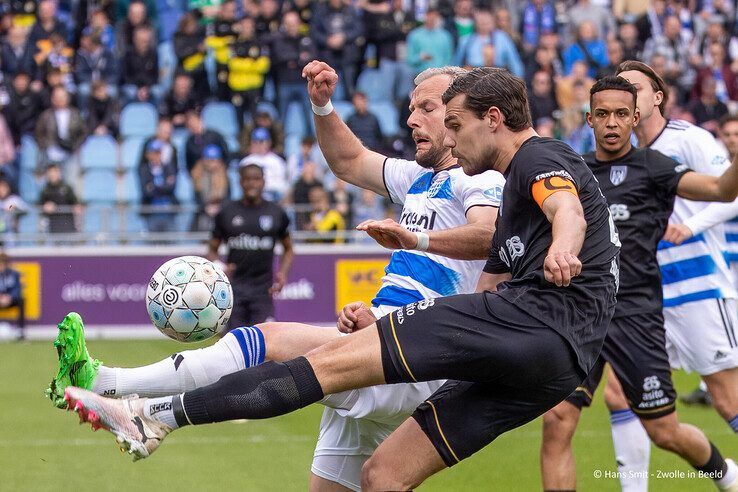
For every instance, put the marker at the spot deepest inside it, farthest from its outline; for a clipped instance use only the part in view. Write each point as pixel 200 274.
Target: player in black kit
pixel 640 186
pixel 512 351
pixel 251 228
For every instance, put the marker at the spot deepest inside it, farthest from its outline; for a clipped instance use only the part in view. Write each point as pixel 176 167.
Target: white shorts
pixel 701 335
pixel 356 422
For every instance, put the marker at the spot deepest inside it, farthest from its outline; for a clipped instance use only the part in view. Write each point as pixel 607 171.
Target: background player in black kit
pixel 514 352
pixel 640 186
pixel 251 228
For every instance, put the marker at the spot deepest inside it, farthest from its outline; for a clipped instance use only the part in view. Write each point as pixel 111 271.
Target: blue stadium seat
pixel 376 85
pixel 167 64
pixel 28 153
pixel 388 116
pixel 98 186
pixel 99 152
pixel 235 181
pixel 168 20
pixel 29 187
pixel 233 146
pixel 138 119
pixel 221 117
pixel 294 122
pixel 179 140
pixel 184 191
pixel 130 190
pixel 343 108
pixel 292 144
pixel 29 223
pixel 93 219
pixel 268 107
pixel 134 222
pixel 130 152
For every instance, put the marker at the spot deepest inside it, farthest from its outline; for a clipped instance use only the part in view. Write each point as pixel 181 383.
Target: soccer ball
pixel 189 299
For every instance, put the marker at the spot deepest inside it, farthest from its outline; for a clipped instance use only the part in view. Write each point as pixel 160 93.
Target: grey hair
pixel 451 71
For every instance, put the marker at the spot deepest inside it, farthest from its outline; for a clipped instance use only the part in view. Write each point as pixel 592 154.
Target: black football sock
pixel 259 392
pixel 716 466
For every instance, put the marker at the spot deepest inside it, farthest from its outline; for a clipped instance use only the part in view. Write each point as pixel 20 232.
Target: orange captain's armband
pixel 549 183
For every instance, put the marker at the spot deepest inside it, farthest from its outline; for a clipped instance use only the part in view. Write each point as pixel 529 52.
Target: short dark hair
pixel 615 83
pixel 485 87
pixel 728 118
pixel 249 167
pixel 657 83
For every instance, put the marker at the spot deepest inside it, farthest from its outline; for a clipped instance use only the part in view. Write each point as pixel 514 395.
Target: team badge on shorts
pixel 618 174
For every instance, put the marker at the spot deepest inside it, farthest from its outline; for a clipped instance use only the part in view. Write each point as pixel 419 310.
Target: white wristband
pixel 423 241
pixel 322 110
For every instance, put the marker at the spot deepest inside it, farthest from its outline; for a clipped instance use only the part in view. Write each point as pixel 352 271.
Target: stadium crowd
pixel 143 107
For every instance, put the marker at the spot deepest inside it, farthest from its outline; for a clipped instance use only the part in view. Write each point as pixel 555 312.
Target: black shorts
pixel 506 367
pixel 635 348
pixel 248 311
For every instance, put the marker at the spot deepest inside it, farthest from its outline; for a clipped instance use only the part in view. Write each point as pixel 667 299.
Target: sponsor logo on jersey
pixel 619 212
pixel 516 247
pixel 493 193
pixel 237 221
pixel 251 243
pixel 718 160
pixel 415 222
pixel 266 222
pixel 618 174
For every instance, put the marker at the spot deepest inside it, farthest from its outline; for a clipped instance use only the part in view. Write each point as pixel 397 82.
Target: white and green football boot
pixel 76 367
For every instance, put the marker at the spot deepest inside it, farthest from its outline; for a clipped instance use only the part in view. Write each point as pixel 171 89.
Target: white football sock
pixel 186 370
pixel 161 409
pixel 731 475
pixel 632 450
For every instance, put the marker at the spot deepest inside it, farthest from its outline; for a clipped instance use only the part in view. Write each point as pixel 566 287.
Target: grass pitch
pixel 42 448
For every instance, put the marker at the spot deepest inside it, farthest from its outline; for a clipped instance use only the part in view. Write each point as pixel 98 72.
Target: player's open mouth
pixel 612 137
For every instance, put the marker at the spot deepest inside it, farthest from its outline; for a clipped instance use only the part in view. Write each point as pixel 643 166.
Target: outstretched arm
pixel 346 155
pixel 706 188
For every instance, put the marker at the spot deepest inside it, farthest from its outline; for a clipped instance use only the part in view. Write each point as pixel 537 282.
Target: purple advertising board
pixel 110 291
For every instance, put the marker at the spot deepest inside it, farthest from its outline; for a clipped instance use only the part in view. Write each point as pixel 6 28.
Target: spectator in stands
pixel 11 208
pixel 94 63
pixel 16 54
pixel 60 130
pixel 309 152
pixel 180 100
pixel 304 9
pixel 137 16
pixel 47 23
pixel 369 206
pixel 365 124
pixel 587 48
pixel 545 127
pixel 565 87
pixel 675 50
pixel 248 65
pixel 59 202
pixel 59 57
pixel 488 46
pixel 708 108
pixel 719 70
pixel 504 23
pixel 189 47
pixel 164 129
pixel 586 10
pixel 11 290
pixel 274 167
pixel 632 46
pixel 23 109
pixel 546 60
pixel 541 98
pixel 300 196
pixel 614 56
pixel 100 26
pixel 430 45
pixel 220 35
pixel 267 21
pixel 539 17
pixel 199 138
pixel 263 119
pixel 8 163
pixel 337 32
pixel 141 69
pixel 103 111
pixel 343 200
pixel 324 219
pixel 157 190
pixel 462 22
pixel 210 180
pixel 290 52
pixel 715 33
pixel 380 30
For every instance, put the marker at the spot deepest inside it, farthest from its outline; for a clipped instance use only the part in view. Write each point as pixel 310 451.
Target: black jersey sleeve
pixel 665 172
pixel 495 263
pixel 218 232
pixel 547 173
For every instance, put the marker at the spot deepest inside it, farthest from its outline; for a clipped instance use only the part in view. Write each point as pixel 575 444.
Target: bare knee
pixel 663 432
pixel 723 387
pixel 559 425
pixel 378 474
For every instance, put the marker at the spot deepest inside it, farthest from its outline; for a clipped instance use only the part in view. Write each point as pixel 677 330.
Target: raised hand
pixel 322 80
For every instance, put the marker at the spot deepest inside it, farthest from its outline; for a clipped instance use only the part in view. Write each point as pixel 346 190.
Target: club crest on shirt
pixel 618 174
pixel 237 221
pixel 266 222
